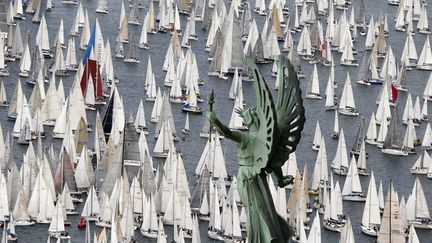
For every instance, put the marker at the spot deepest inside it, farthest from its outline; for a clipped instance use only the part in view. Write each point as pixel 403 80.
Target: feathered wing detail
pixel 266 112
pixel 290 114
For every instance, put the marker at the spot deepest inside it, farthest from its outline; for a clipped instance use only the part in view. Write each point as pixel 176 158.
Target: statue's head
pixel 249 116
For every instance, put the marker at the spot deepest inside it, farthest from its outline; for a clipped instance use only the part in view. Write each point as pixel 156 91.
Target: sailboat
pixel 423 23
pixel 215 227
pixel 418 214
pixel 422 164
pixel 371 213
pixel 91 207
pixel 330 103
pixel 347 58
pixel 347 105
pixel 340 161
pixel 3 99
pixel 333 215
pixel 391 225
pixel 20 211
pixel 335 133
pixel 186 130
pixel 232 231
pixel 191 105
pixel 4 72
pixel 102 7
pixel 352 190
pixel 150 227
pixel 393 143
pixel 317 137
pixel 425 59
pixel 132 52
pixel 312 90
pixel 57 226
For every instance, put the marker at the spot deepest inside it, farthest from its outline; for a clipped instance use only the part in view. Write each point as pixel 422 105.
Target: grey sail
pixel 3 16
pixel 246 19
pixel 133 14
pixel 206 127
pixel 99 138
pixel 360 17
pixel 17 44
pixel 37 14
pixel 359 138
pixel 81 136
pixel 199 7
pixel 148 178
pixel 207 16
pixel 68 173
pixel 216 53
pixel 258 51
pixel 104 163
pixel 401 78
pixel 65 174
pixel 394 137
pixel 131 153
pixel 114 168
pixel 237 59
pixel 202 186
pixel 364 67
pixel 314 35
pixel 132 52
pixel 165 115
pixel 14 186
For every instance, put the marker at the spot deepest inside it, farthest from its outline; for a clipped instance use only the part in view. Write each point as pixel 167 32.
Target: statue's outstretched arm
pixel 222 129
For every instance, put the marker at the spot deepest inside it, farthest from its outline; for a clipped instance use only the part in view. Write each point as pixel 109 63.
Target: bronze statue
pixel 274 133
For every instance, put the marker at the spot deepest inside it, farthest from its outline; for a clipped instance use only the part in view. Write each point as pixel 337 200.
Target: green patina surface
pixel 274 132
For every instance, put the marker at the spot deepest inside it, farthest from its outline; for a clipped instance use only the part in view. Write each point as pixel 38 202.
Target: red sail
pixel 394 93
pixel 93 69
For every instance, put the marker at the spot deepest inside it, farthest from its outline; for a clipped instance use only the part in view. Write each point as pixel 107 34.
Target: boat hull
pixel 354 198
pixel 369 231
pixel 394 152
pixel 149 234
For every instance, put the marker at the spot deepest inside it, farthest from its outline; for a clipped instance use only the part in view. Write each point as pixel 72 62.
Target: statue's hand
pixel 211 116
pixel 285 180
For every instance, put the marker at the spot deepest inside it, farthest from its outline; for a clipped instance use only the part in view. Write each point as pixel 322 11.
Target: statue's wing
pixel 290 113
pixel 266 113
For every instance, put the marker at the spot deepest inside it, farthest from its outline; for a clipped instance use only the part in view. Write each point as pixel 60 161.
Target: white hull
pixel 104 11
pixel 215 235
pixel 314 96
pixel 24 223
pixel 103 224
pixel 420 225
pixel 351 64
pixel 149 234
pixel 371 141
pixel 333 227
pixel 348 112
pixel 131 60
pixel 340 171
pixel 395 152
pixel 354 198
pixel 71 2
pixel 419 171
pixel 369 231
pixel 425 67
pixel 57 135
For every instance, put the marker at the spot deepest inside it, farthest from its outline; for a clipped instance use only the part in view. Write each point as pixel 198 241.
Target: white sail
pixel 371 211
